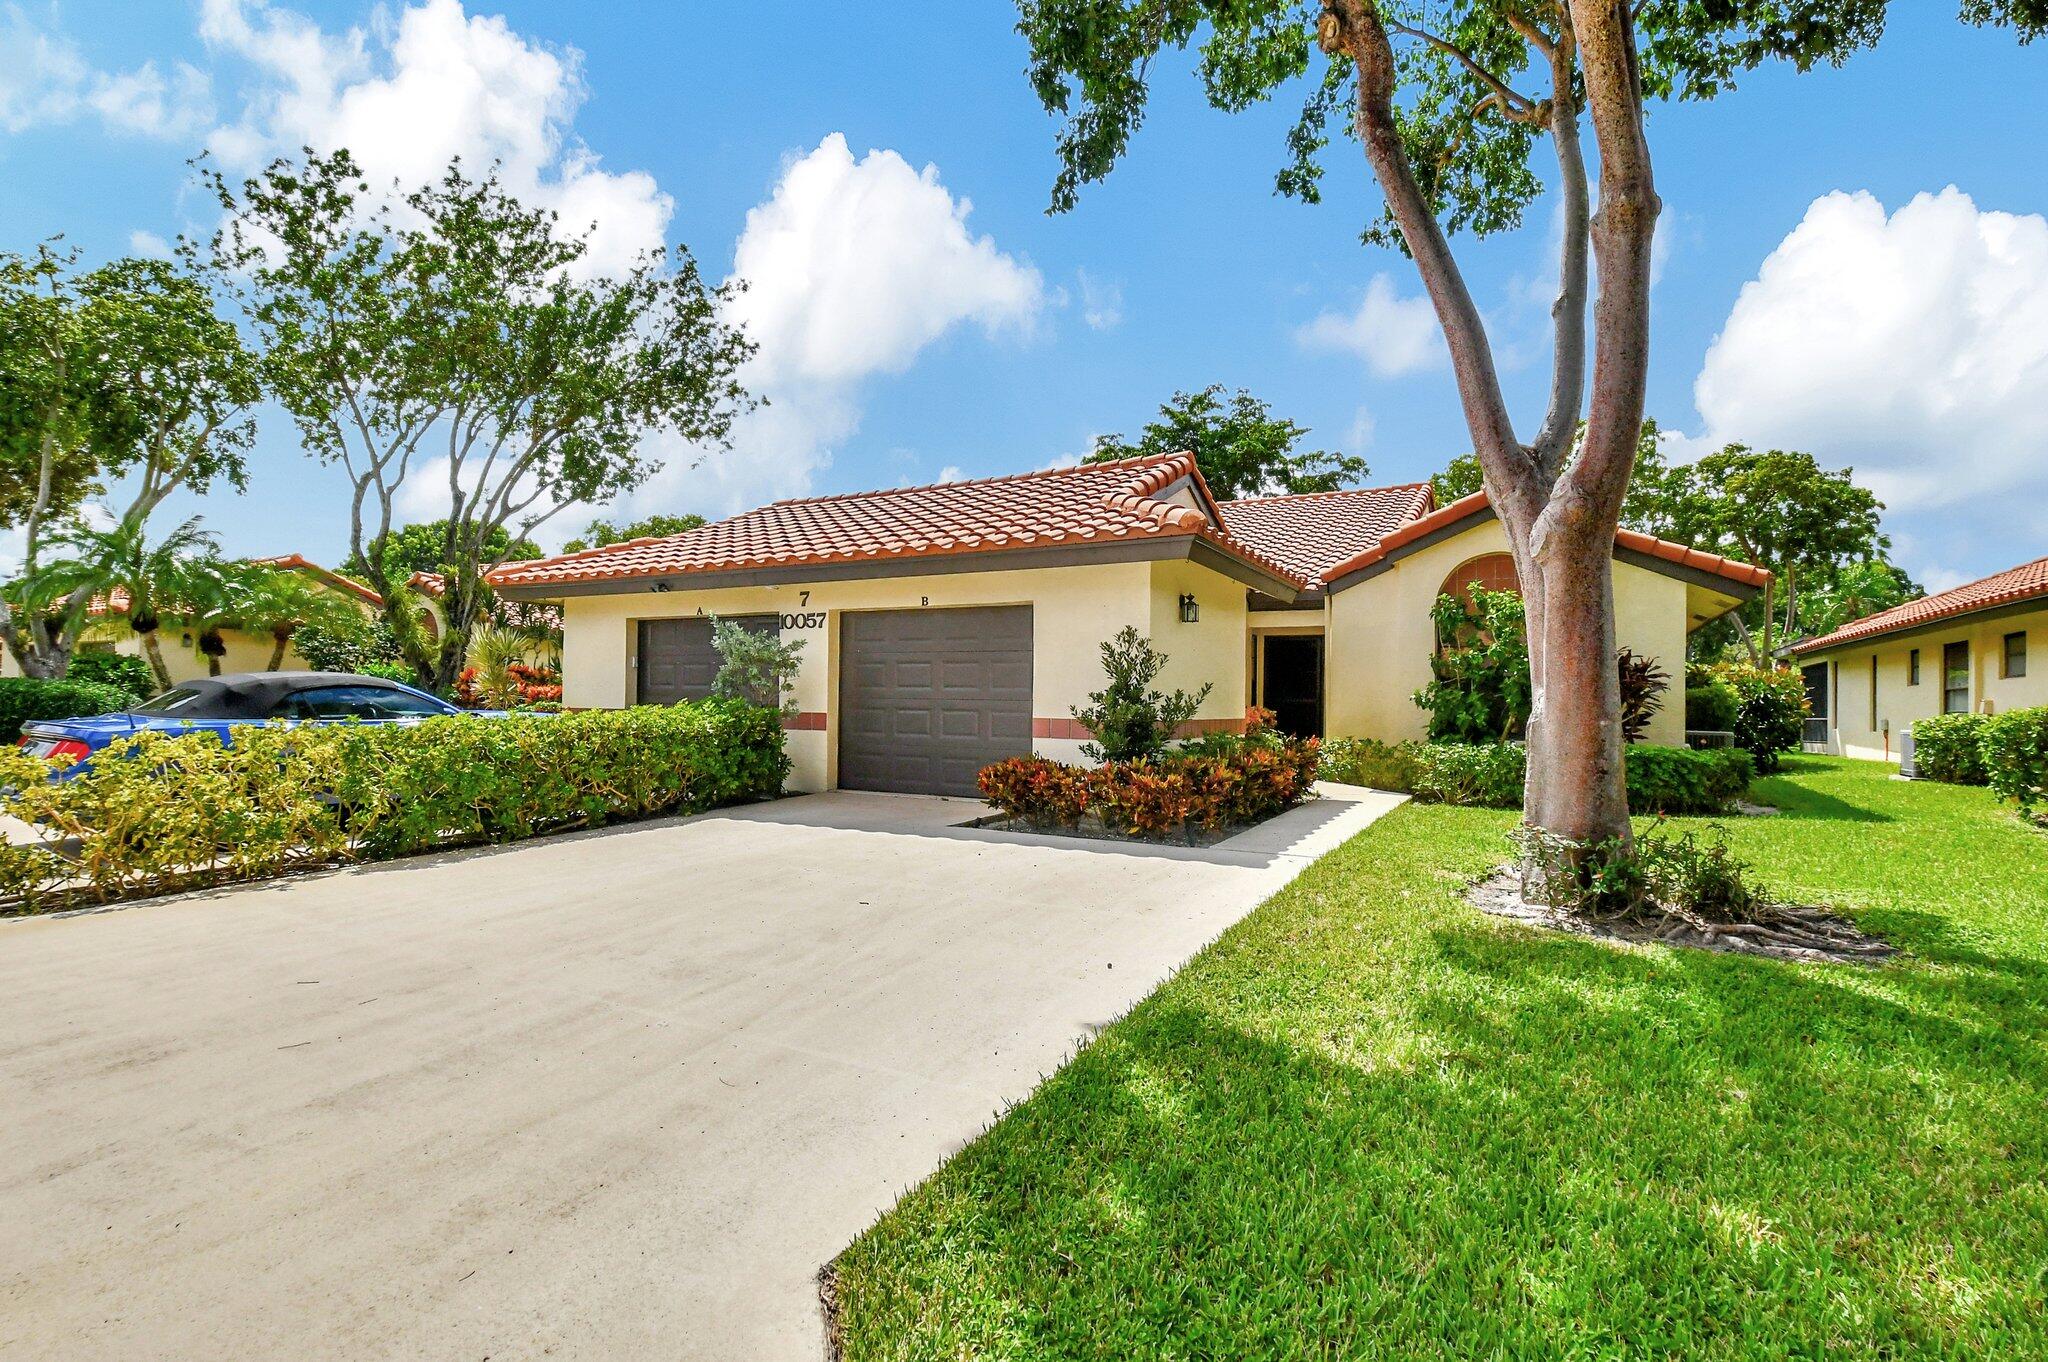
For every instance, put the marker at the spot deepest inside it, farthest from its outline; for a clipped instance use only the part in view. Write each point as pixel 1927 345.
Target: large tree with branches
pixel 454 334
pixel 121 372
pixel 1454 103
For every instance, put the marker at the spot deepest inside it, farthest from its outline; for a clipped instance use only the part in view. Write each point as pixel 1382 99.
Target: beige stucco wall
pixel 1380 638
pixel 1850 730
pixel 1074 609
pixel 246 652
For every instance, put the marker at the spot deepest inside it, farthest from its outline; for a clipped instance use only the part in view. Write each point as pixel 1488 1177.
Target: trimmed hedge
pixel 2014 746
pixel 1667 780
pixel 1948 747
pixel 1213 788
pixel 24 700
pixel 157 813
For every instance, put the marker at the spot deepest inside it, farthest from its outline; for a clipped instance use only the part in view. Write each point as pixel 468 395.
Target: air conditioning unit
pixel 1906 752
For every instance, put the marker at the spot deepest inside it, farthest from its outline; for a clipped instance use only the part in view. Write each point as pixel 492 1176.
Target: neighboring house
pixel 1978 649
pixel 945 627
pixel 246 651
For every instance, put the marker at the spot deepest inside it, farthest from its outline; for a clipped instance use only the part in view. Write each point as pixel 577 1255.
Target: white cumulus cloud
pixel 1912 346
pixel 415 90
pixel 1392 334
pixel 853 267
pixel 46 78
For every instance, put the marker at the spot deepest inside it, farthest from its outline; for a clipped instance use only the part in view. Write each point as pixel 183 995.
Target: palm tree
pixel 179 574
pixel 280 601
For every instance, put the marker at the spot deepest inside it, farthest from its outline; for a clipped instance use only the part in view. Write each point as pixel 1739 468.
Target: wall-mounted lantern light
pixel 1189 611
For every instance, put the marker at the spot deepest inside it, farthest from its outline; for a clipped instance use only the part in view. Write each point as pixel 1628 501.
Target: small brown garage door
pixel 929 697
pixel 677 661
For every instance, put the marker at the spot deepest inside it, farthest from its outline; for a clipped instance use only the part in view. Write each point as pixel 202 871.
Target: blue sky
pixel 908 337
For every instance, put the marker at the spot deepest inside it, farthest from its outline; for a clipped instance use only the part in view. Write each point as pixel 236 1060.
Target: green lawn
pixel 1371 1122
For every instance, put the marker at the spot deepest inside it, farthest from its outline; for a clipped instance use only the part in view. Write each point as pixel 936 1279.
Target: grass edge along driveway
pixel 1371 1122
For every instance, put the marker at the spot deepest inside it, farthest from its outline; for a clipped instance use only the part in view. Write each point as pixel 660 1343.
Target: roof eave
pixel 1976 614
pixel 1147 548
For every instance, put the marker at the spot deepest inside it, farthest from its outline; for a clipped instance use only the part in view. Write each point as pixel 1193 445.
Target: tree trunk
pixel 278 641
pixel 152 648
pixel 1574 789
pixel 1560 518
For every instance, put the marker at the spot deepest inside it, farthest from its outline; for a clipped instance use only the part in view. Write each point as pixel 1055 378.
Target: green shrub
pixel 1486 774
pixel 1949 747
pixel 1661 780
pixel 1711 707
pixel 1479 676
pixel 348 645
pixel 159 812
pixel 1675 780
pixel 1770 712
pixel 1212 788
pixel 755 665
pixel 2014 746
pixel 390 671
pixel 1643 684
pixel 118 670
pixel 23 700
pixel 1130 720
pixel 1370 762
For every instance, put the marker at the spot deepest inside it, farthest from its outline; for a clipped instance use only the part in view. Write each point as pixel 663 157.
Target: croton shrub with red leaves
pixel 1216 784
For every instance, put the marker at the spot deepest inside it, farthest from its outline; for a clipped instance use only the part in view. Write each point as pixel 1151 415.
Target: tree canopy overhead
pixel 1466 110
pixel 1242 449
pixel 458 339
pixel 124 371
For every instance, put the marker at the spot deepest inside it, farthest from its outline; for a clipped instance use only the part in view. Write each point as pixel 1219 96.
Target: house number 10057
pixel 810 619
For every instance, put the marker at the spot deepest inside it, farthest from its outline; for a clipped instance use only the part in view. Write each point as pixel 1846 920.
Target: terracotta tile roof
pixel 2028 581
pixel 1312 532
pixel 302 563
pixel 1443 517
pixel 436 583
pixel 117 601
pixel 1104 503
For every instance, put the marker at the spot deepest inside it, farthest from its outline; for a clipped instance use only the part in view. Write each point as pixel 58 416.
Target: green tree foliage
pixel 467 324
pixel 419 547
pixel 1780 510
pixel 123 371
pixel 1478 690
pixel 282 601
pixel 60 422
pixel 1131 720
pixel 602 533
pixel 755 665
pixel 179 575
pixel 1451 102
pixel 1242 449
pixel 1855 591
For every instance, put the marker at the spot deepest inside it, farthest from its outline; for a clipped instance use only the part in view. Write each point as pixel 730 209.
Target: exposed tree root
pixel 1786 931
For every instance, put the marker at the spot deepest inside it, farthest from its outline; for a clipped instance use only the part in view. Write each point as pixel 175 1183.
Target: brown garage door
pixel 677 661
pixel 929 697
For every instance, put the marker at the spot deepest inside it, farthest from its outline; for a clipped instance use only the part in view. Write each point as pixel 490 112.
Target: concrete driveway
pixel 612 1095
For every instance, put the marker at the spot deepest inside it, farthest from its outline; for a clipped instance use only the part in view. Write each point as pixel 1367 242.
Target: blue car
pixel 220 704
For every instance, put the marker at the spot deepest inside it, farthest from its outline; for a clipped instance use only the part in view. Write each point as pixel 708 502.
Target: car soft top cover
pixel 254 695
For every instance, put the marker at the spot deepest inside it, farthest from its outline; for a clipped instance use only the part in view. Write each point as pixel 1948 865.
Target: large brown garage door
pixel 929 697
pixel 677 661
